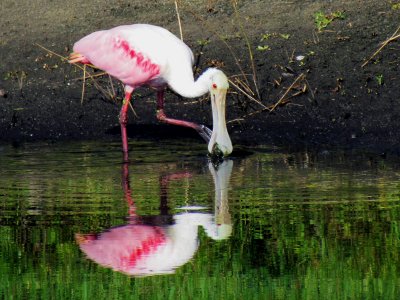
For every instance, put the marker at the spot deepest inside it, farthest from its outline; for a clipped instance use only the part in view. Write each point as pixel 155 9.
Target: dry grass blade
pixel 201 100
pixel 96 84
pixel 244 83
pixel 52 52
pixel 179 19
pixel 246 94
pixel 64 58
pixel 244 86
pixel 85 72
pixel 394 36
pixel 282 100
pixel 243 118
pixel 113 95
pixel 90 76
pixel 205 24
pixel 83 83
pixel 300 77
pixel 133 110
pixel 251 56
pixel 309 88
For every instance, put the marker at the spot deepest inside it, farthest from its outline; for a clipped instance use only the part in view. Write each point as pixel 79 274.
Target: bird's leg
pixel 127 191
pixel 123 120
pixel 204 131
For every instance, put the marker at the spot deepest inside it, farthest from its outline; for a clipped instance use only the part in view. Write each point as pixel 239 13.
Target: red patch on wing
pixel 146 247
pixel 141 61
pixel 125 46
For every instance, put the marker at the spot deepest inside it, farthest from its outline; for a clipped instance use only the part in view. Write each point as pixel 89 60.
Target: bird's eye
pixel 214 86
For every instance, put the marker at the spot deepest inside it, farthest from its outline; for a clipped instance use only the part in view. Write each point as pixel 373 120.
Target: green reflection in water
pixel 304 226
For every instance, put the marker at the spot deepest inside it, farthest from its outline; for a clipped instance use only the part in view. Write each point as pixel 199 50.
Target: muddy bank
pixel 336 104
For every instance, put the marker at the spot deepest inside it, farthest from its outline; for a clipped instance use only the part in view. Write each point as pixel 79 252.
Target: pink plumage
pixel 143 54
pixel 125 248
pixel 135 54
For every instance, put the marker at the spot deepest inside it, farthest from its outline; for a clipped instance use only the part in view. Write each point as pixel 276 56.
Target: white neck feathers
pixel 184 84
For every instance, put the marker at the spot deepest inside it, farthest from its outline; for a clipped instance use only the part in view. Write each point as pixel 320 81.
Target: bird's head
pixel 220 143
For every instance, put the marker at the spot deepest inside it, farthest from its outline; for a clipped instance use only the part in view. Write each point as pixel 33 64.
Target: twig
pixel 133 110
pixel 268 108
pixel 245 86
pixel 291 58
pixel 113 94
pixel 309 88
pixel 394 36
pixel 301 76
pixel 96 84
pixel 90 76
pixel 204 99
pixel 65 58
pixel 56 54
pixel 83 83
pixel 248 115
pixel 240 75
pixel 246 94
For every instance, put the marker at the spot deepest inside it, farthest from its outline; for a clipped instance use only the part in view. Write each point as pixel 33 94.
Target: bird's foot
pixel 216 156
pixel 161 115
pixel 204 132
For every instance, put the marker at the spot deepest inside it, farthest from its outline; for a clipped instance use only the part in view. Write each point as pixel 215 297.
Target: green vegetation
pixel 285 36
pixel 396 6
pixel 322 20
pixel 203 42
pixel 305 227
pixel 19 76
pixel 267 36
pixel 379 79
pixel 263 48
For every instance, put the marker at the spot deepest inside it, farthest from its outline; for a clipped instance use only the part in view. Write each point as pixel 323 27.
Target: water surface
pixel 76 223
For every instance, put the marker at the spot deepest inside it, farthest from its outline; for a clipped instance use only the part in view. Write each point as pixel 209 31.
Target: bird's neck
pixel 187 87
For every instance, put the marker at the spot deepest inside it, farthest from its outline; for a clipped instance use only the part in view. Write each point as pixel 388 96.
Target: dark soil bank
pixel 337 103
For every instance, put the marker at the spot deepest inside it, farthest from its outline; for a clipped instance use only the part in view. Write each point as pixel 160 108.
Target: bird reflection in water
pixel 160 244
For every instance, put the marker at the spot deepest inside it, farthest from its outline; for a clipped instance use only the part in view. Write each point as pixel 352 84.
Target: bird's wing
pixel 137 53
pixel 166 49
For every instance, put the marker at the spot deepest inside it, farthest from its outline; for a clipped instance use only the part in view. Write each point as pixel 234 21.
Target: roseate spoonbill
pixel 142 54
pixel 143 248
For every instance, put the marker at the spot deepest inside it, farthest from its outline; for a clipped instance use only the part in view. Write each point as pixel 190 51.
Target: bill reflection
pixel 150 245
